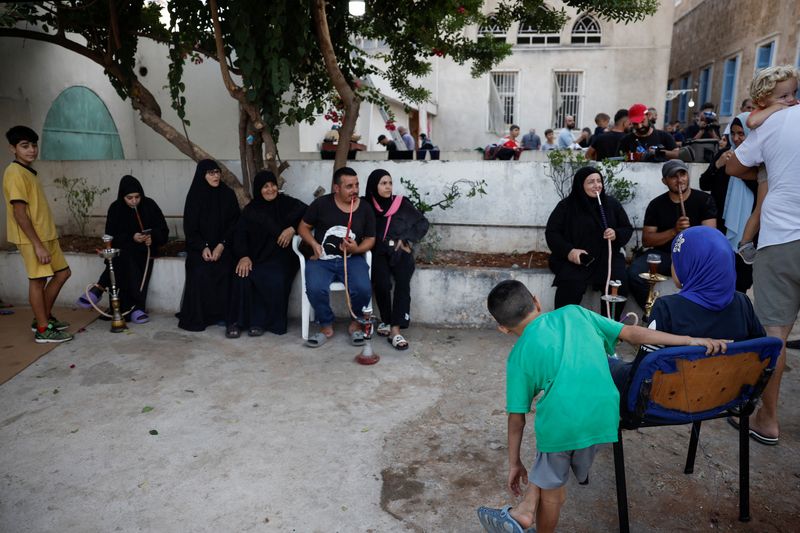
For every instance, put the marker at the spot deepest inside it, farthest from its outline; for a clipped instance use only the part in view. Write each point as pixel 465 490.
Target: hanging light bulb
pixel 357 8
pixel 691 102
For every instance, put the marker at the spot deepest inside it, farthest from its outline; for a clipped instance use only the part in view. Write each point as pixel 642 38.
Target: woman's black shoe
pixel 232 331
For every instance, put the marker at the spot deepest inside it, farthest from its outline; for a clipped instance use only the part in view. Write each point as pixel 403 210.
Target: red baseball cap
pixel 636 113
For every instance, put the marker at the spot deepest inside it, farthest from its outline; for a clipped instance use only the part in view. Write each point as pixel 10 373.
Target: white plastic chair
pixel 307 312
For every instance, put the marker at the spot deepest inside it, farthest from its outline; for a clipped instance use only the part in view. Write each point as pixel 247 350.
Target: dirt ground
pixel 453 458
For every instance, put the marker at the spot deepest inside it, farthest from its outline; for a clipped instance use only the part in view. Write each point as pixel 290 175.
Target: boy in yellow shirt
pixel 31 227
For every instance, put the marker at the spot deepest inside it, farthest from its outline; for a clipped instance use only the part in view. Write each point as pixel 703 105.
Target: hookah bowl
pixel 108 252
pixel 652 277
pixel 367 355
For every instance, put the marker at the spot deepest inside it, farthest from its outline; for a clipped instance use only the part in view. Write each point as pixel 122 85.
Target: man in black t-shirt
pixel 330 216
pixel 665 218
pixel 606 144
pixel 645 143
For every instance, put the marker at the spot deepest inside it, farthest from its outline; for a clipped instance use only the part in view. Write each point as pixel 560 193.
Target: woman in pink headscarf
pixel 399 225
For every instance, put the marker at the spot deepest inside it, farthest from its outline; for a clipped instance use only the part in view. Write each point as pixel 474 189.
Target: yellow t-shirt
pixel 19 183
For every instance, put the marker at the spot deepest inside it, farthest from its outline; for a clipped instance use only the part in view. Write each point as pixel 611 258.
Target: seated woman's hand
pixel 206 255
pixel 285 238
pixel 609 234
pixel 244 266
pixel 217 253
pixel 317 247
pixel 574 255
pixel 139 237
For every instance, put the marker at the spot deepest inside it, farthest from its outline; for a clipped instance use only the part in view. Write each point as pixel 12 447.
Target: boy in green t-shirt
pixel 563 354
pixel 30 226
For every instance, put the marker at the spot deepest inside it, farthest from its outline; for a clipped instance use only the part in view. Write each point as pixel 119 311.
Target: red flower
pixel 461 10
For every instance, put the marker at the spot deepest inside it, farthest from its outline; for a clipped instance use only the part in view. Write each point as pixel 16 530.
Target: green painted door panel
pixel 78 127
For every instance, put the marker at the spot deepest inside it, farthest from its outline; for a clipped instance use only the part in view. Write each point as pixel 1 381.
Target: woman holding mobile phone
pixel 138 226
pixel 578 232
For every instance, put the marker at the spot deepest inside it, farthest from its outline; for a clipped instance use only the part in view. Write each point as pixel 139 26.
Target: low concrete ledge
pixel 451 296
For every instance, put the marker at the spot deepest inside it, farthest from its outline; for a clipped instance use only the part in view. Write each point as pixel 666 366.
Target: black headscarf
pixel 123 221
pixel 263 221
pixel 372 190
pixel 210 213
pixel 579 201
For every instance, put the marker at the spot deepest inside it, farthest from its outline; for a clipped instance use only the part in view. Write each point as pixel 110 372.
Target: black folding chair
pixel 683 385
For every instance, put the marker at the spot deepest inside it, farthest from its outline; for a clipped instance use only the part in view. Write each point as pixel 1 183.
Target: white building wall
pixel 629 66
pixel 35 73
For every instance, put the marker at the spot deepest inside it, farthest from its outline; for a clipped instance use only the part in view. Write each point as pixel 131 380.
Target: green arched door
pixel 79 126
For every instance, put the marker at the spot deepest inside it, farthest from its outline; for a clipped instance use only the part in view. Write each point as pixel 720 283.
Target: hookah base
pixel 362 359
pixel 118 327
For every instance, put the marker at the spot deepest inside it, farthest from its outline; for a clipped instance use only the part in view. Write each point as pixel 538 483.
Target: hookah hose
pixel 344 257
pixel 608 276
pixel 89 299
pixel 147 261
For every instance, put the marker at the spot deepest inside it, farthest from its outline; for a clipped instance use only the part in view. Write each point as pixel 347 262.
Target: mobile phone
pixel 146 231
pixel 586 259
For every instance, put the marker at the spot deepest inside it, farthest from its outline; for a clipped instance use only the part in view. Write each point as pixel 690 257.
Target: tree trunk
pixel 349 97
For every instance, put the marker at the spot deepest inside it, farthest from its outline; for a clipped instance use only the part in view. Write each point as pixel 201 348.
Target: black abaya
pixel 209 219
pixel 262 298
pixel 122 223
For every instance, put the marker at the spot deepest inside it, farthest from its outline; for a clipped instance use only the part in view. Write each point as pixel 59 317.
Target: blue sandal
pixel 499 520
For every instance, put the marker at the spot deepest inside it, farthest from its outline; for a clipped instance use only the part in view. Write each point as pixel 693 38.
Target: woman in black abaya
pixel 577 236
pixel 267 264
pixel 137 225
pixel 209 220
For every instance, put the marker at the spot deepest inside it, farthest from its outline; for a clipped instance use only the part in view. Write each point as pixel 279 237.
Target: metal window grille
pixel 567 97
pixel 529 34
pixel 506 86
pixel 586 31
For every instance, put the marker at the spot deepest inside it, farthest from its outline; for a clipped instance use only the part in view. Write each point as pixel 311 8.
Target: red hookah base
pixel 362 359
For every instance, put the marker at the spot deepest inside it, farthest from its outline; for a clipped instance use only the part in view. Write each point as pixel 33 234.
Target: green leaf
pixel 153 432
pixel 146 409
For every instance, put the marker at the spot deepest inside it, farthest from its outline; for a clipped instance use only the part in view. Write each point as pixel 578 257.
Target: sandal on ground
pixel 498 520
pixel 398 342
pixel 232 331
pixel 755 435
pixel 357 338
pixel 139 317
pixel 383 329
pixel 316 340
pixel 83 303
pixel 255 331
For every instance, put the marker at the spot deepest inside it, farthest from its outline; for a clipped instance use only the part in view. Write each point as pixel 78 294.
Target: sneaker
pixel 747 252
pixel 57 324
pixel 51 335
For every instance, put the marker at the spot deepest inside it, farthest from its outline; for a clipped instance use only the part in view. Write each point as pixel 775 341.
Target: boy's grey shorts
pixel 551 469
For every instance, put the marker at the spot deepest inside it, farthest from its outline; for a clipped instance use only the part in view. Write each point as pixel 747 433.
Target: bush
pixel 80 199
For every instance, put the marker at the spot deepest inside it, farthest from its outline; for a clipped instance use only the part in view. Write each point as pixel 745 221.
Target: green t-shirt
pixel 563 353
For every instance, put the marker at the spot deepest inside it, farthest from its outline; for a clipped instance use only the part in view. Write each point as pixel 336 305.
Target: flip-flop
pixel 139 317
pixel 398 342
pixel 498 520
pixel 793 345
pixel 83 303
pixel 6 312
pixel 357 338
pixel 316 340
pixel 755 435
pixel 383 329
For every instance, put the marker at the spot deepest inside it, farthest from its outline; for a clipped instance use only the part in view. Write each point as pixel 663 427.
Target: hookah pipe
pixel 613 298
pixel 147 261
pixel 608 276
pixel 367 356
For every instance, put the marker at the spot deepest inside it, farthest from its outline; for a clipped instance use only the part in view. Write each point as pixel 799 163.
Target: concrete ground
pixel 261 434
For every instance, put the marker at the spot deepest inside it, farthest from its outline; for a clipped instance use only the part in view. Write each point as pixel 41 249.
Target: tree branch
pixel 349 98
